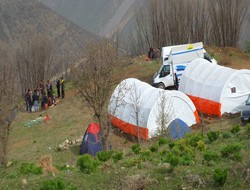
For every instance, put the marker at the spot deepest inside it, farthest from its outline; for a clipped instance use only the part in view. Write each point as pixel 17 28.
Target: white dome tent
pixel 135 107
pixel 215 89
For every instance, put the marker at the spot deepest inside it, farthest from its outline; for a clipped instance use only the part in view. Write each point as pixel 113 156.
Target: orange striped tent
pixel 135 107
pixel 215 89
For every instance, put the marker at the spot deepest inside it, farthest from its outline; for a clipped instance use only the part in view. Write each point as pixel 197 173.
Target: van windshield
pixel 248 100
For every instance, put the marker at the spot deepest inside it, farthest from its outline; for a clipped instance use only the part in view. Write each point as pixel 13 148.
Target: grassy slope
pixel 69 120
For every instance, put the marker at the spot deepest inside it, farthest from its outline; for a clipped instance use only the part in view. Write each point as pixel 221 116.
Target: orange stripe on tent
pixel 134 130
pixel 197 118
pixel 206 106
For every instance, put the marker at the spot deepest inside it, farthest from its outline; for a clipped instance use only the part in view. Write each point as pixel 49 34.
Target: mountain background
pixel 107 17
pixel 20 18
pixel 72 23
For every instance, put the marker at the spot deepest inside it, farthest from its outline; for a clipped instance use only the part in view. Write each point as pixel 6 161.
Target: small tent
pixel 139 109
pixel 215 89
pixel 177 129
pixel 91 142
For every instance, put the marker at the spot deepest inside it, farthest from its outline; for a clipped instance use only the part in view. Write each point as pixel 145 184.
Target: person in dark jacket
pixel 58 87
pixel 62 87
pixel 35 99
pixel 28 100
pixel 44 101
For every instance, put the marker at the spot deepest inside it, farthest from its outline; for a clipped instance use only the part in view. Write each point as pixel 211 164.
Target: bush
pixel 194 139
pixel 136 148
pixel 154 148
pixel 132 162
pixel 235 129
pixel 30 168
pixel 172 159
pixel 87 163
pixel 232 151
pixel 104 155
pixel 213 135
pixel 117 156
pixel 201 145
pixel 163 141
pixel 171 144
pixel 211 156
pixel 248 129
pixel 226 135
pixel 145 154
pixel 220 176
pixel 57 184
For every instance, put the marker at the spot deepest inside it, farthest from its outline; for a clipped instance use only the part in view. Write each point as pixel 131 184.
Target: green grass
pixel 143 170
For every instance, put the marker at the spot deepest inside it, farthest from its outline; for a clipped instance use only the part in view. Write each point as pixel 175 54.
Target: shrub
pixel 171 144
pixel 226 135
pixel 194 139
pixel 30 168
pixel 163 141
pixel 201 145
pixel 104 155
pixel 235 129
pixel 248 129
pixel 154 148
pixel 131 162
pixel 87 163
pixel 213 135
pixel 172 159
pixel 57 184
pixel 220 176
pixel 117 156
pixel 232 151
pixel 145 154
pixel 211 156
pixel 136 148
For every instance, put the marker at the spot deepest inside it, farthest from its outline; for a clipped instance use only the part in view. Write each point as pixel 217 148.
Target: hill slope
pixel 20 18
pixel 149 169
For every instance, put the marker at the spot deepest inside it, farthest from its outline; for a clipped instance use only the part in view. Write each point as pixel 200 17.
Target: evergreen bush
pixel 220 176
pixel 87 163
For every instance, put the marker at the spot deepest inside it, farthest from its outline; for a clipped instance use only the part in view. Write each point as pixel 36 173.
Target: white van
pixel 174 61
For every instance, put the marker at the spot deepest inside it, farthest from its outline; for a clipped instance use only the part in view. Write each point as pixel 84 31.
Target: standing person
pixel 58 87
pixel 41 86
pixel 44 103
pixel 28 100
pixel 48 88
pixel 35 99
pixel 51 88
pixel 62 87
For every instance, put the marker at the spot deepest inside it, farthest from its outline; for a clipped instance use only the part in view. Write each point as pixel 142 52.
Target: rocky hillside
pixel 20 18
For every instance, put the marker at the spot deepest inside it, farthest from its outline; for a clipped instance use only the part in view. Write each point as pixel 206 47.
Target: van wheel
pixel 161 85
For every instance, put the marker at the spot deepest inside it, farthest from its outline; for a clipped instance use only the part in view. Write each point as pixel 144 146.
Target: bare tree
pixel 35 61
pixel 8 97
pixel 167 22
pixel 136 104
pixel 226 20
pixel 95 78
pixel 164 114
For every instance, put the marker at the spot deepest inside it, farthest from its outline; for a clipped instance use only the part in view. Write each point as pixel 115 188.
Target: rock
pixel 24 183
pixel 8 164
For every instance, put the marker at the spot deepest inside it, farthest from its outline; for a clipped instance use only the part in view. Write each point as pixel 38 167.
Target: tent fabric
pixel 135 108
pixel 215 89
pixel 178 129
pixel 91 142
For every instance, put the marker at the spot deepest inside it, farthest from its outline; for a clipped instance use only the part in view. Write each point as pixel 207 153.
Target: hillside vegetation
pixel 219 159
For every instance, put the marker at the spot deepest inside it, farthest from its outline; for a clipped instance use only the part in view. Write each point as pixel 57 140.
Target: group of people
pixel 40 97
